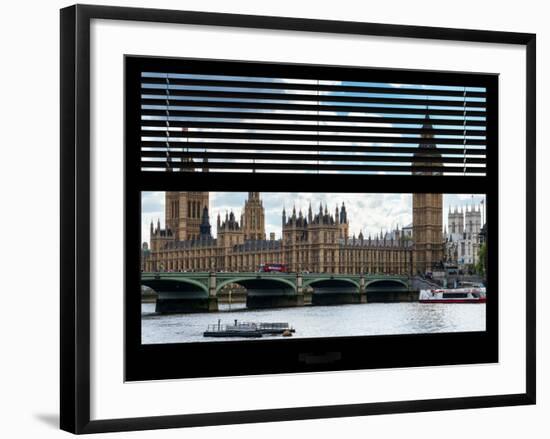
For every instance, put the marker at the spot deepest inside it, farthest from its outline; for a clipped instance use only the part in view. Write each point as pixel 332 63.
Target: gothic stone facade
pixel 315 242
pixel 463 237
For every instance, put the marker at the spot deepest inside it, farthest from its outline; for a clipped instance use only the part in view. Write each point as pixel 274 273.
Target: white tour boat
pixel 456 295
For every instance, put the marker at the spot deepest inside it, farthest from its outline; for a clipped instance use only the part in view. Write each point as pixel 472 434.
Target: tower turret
pixel 205 228
pixel 343 214
pixel 343 223
pixel 182 213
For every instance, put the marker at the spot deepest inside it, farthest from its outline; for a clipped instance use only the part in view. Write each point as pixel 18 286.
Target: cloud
pixel 368 213
pixel 152 202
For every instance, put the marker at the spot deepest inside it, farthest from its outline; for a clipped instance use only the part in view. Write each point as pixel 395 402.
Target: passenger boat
pixel 456 295
pixel 247 329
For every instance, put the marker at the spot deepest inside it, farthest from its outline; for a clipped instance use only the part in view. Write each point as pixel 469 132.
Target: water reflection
pixel 320 321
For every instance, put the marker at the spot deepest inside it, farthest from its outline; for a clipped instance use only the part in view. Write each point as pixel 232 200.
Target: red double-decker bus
pixel 269 268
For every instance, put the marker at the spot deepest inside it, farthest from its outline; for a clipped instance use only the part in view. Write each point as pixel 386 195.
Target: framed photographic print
pixel 304 218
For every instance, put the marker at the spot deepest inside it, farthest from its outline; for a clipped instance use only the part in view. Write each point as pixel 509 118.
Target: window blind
pixel 215 122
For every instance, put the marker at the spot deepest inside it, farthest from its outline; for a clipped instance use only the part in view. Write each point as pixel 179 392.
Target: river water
pixel 318 321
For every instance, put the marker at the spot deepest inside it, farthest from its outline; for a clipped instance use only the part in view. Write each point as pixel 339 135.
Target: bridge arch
pixel 382 284
pixel 389 290
pixel 179 294
pixel 181 285
pixel 265 291
pixel 328 282
pixel 334 291
pixel 258 282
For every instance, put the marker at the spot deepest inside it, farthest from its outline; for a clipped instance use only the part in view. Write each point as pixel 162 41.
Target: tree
pixel 481 266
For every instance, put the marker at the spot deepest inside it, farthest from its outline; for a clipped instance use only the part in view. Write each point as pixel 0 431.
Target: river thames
pixel 318 321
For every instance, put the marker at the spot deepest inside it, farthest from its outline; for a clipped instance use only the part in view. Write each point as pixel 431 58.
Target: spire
pixel 309 214
pixel 427 126
pixel 427 155
pixel 343 214
pixel 205 228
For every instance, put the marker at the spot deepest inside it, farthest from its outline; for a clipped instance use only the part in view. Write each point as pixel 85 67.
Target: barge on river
pixel 248 329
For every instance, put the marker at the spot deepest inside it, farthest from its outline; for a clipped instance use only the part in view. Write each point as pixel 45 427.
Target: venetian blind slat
pixel 199 123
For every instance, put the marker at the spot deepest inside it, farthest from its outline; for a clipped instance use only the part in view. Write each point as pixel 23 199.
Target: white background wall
pixel 29 218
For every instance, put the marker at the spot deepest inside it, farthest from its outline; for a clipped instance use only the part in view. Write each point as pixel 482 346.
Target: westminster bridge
pixel 198 291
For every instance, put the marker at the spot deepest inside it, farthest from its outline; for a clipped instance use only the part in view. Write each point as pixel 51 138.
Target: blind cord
pixel 464 132
pixel 167 123
pixel 318 151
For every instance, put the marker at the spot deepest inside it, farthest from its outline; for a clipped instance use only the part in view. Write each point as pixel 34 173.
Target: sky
pixel 369 213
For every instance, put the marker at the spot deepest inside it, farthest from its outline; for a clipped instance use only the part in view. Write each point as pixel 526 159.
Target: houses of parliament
pixel 316 241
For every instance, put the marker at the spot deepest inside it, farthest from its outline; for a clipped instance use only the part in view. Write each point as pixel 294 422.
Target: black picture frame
pixel 75 217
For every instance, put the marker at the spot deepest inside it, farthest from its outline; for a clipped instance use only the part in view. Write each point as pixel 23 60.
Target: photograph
pixel 367 230
pixel 245 265
pixel 227 265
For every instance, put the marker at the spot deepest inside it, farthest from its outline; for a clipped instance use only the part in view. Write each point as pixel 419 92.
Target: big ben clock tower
pixel 427 210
